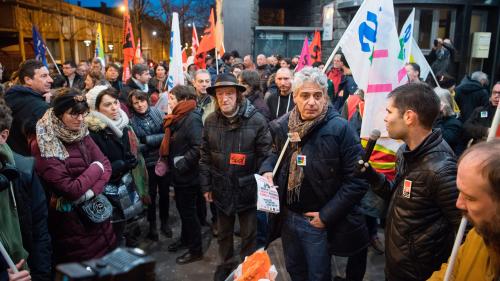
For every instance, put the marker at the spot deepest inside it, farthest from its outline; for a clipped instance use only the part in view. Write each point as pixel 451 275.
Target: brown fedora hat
pixel 226 80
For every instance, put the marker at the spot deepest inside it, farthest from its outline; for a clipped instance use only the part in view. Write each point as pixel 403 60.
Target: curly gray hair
pixel 309 74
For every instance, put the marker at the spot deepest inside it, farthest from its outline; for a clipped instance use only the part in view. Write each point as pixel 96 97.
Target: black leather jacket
pixel 421 222
pixel 233 186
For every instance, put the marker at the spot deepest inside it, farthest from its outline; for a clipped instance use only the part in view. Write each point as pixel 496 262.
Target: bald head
pixel 483 158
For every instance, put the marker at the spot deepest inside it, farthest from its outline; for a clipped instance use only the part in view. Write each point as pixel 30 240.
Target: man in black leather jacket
pixel 422 216
pixel 235 141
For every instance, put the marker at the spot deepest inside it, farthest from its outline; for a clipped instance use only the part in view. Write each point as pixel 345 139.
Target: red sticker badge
pixel 407 188
pixel 238 159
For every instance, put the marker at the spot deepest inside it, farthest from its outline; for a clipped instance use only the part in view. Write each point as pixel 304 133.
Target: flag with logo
pixel 315 48
pixel 175 74
pixel 99 46
pixel 128 45
pixel 305 57
pixel 405 38
pixel 219 28
pixel 138 52
pixel 371 47
pixel 39 46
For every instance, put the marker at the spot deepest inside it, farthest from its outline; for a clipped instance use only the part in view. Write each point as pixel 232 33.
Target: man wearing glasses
pixel 478 125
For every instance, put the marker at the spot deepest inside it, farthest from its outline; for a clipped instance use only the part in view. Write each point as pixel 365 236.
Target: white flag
pixel 371 47
pixel 418 58
pixel 358 52
pixel 175 74
pixel 405 37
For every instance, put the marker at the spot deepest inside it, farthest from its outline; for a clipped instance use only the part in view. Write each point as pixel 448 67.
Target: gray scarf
pixel 116 126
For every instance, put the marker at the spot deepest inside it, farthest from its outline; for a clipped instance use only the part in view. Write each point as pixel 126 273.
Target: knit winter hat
pixel 92 95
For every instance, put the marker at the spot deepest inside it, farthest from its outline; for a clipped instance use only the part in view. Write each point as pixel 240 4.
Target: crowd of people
pixel 84 137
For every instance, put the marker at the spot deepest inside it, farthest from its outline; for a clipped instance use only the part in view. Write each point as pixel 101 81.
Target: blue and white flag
pixel 175 74
pixel 405 38
pixel 39 46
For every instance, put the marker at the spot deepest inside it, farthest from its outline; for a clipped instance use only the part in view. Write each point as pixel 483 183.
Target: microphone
pixel 374 135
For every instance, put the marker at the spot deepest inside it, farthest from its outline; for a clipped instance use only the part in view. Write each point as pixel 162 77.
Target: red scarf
pixel 335 75
pixel 180 110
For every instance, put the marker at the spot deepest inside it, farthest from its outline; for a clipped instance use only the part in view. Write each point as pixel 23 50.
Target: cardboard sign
pixel 267 196
pixel 238 159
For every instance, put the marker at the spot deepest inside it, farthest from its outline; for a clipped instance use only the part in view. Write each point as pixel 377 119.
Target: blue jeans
pixel 262 229
pixel 306 249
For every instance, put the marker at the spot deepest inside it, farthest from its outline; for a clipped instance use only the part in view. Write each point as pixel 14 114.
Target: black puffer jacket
pixel 185 142
pixel 420 230
pixel 148 127
pixel 469 95
pixel 451 130
pixel 332 149
pixel 27 107
pixel 233 187
pixel 33 214
pixel 479 122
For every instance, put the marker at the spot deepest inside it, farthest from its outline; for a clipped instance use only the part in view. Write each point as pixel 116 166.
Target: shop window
pixel 425 29
pixel 402 17
pixel 444 23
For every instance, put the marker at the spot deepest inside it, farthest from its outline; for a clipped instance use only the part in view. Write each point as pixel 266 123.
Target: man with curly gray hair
pixel 319 194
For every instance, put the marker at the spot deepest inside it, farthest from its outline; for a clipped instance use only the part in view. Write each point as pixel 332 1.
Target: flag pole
pixel 52 58
pixel 331 56
pixel 7 258
pixel 216 62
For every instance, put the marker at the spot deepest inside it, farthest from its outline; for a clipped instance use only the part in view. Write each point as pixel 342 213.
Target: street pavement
pixel 168 270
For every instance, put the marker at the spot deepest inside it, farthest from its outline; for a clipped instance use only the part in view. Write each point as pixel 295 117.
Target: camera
pixel 121 264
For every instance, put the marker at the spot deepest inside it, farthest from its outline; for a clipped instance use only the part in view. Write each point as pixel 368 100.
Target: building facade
pixel 279 27
pixel 68 30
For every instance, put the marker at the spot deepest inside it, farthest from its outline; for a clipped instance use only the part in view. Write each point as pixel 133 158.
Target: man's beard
pixel 490 232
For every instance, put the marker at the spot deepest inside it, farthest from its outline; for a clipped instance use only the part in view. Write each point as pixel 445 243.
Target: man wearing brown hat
pixel 235 141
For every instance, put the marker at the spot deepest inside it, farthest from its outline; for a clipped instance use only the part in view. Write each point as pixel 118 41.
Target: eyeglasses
pixel 76 115
pixel 495 93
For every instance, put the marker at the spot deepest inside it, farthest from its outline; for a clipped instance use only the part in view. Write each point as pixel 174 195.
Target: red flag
pixel 195 44
pixel 199 60
pixel 138 53
pixel 127 42
pixel 315 48
pixel 208 40
pixel 184 55
pixel 305 58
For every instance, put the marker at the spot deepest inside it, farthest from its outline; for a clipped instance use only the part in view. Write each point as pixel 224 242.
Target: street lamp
pixel 122 9
pixel 154 33
pixel 110 47
pixel 87 42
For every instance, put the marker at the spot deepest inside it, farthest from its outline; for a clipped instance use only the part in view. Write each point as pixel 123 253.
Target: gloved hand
pixel 7 174
pixel 365 171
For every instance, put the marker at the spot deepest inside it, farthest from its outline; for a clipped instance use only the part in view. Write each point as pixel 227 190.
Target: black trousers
pixel 158 185
pixel 185 200
pixel 248 232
